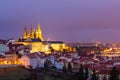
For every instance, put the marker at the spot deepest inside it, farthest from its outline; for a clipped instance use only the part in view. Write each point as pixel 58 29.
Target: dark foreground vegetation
pixel 21 73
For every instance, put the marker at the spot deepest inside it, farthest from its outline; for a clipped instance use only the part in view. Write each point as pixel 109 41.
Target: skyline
pixel 68 20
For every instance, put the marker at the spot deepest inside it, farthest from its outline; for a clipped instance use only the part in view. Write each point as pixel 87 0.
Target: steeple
pixel 25 32
pixel 39 33
pixel 31 32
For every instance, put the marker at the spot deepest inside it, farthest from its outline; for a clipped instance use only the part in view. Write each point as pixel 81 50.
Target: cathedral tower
pixel 39 33
pixel 25 32
pixel 31 32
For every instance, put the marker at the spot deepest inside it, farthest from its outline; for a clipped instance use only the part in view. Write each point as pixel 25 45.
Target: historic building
pixel 35 40
pixel 33 34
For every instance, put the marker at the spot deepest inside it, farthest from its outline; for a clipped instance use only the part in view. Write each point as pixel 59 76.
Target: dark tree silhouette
pixel 104 77
pixel 46 65
pixel 94 76
pixel 79 50
pixel 114 74
pixel 80 74
pixel 86 73
pixel 51 49
pixel 69 67
pixel 64 51
pixel 64 70
pixel 33 75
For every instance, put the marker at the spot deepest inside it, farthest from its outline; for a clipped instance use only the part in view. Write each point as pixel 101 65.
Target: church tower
pixel 39 33
pixel 25 32
pixel 31 32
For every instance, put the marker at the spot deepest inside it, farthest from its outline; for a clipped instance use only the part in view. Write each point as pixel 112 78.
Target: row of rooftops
pixel 100 63
pixel 38 40
pixel 2 41
pixel 104 65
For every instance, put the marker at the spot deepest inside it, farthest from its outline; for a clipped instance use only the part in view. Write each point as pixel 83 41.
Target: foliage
pixel 104 78
pixel 94 76
pixel 64 70
pixel 86 73
pixel 80 74
pixel 114 74
pixel 46 64
pixel 13 73
pixel 69 67
pixel 52 50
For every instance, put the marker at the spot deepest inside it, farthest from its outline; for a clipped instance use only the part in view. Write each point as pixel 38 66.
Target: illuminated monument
pixel 33 34
pixel 35 40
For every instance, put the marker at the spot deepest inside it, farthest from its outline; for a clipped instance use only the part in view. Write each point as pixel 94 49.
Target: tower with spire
pixel 39 33
pixel 33 34
pixel 25 32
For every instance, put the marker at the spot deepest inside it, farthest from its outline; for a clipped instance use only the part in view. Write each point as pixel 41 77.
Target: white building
pixel 32 60
pixel 29 60
pixel 3 48
pixel 42 60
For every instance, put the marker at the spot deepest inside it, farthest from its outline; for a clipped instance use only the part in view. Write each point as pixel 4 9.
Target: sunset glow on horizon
pixel 66 20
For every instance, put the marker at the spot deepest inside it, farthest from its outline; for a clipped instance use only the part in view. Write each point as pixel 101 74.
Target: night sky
pixel 67 20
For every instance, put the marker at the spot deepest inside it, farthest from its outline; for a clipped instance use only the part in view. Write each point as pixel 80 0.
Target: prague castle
pixel 33 33
pixel 35 40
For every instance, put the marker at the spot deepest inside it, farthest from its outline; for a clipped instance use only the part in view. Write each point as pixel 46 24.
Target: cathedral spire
pixel 39 33
pixel 38 28
pixel 31 32
pixel 25 32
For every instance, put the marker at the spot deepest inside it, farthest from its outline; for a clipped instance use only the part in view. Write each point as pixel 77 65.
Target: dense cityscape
pixel 60 60
pixel 59 40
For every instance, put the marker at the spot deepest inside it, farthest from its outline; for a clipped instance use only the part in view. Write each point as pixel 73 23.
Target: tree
pixel 114 74
pixel 52 50
pixel 33 75
pixel 94 77
pixel 79 50
pixel 104 77
pixel 80 74
pixel 64 70
pixel 69 67
pixel 46 64
pixel 86 73
pixel 64 51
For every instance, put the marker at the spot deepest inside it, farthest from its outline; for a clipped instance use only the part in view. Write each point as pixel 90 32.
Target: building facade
pixel 33 34
pixel 35 40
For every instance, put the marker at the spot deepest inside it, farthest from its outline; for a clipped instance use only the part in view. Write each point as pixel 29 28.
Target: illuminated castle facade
pixel 35 40
pixel 33 33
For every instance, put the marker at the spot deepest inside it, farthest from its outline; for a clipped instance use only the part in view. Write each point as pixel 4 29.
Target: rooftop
pixel 30 40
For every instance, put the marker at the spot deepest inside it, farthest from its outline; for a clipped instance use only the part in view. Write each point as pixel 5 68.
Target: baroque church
pixel 35 40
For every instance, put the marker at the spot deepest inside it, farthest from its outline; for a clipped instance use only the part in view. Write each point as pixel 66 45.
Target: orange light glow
pixel 5 62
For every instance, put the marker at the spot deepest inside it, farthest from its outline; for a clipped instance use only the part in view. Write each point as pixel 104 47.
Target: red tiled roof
pixel 1 56
pixel 41 56
pixel 104 72
pixel 31 56
pixel 68 56
pixel 2 42
pixel 86 55
pixel 16 45
pixel 62 60
pixel 118 67
pixel 9 52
